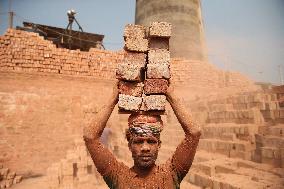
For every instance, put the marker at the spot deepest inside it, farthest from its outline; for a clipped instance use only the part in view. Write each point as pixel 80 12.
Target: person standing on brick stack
pixel 143 135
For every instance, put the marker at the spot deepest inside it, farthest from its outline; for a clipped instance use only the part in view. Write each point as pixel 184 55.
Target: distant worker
pixel 106 136
pixel 143 135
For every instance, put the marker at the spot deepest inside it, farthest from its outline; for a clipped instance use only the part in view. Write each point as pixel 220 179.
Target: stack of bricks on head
pixel 144 72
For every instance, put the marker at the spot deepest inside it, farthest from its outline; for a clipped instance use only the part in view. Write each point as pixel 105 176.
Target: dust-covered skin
pixel 145 173
pixel 144 151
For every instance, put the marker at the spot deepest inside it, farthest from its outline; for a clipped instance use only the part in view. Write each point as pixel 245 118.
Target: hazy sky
pixel 241 35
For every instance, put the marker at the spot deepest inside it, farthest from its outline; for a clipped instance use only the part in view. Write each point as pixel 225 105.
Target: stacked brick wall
pixel 22 51
pixel 237 119
pixel 254 107
pixel 228 173
pixel 204 74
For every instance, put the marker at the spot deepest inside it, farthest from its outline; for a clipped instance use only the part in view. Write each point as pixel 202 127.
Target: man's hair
pixel 139 124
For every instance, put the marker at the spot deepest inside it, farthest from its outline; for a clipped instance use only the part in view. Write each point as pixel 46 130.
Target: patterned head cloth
pixel 144 125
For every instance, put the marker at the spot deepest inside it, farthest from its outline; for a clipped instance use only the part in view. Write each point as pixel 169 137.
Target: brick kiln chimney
pixel 187 40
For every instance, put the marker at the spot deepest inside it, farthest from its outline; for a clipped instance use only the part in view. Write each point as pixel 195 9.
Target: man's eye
pixel 152 142
pixel 137 142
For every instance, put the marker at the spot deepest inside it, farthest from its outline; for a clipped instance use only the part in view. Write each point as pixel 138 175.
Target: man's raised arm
pixel 184 154
pixel 101 156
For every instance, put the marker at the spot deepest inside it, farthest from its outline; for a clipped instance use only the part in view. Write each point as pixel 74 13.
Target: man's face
pixel 144 150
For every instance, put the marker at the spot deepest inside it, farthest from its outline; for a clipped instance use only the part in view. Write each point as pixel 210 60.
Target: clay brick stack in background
pixel 8 178
pixel 76 170
pixel 27 52
pixel 143 82
pixel 22 51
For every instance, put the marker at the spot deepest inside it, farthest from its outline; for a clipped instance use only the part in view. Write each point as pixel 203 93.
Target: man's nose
pixel 145 147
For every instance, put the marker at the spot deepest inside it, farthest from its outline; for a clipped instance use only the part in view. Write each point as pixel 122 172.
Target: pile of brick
pixel 73 171
pixel 216 171
pixel 247 126
pixel 27 52
pixel 8 178
pixel 243 108
pixel 279 91
pixel 22 51
pixel 144 73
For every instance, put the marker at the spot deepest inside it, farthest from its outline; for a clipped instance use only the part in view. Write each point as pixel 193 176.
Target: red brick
pixel 154 102
pixel 155 86
pixel 129 103
pixel 130 88
pixel 136 44
pixel 159 56
pixel 135 58
pixel 158 71
pixel 132 30
pixel 129 72
pixel 160 29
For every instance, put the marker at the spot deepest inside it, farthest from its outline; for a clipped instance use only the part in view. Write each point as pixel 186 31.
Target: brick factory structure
pixel 63 38
pixel 187 40
pixel 47 94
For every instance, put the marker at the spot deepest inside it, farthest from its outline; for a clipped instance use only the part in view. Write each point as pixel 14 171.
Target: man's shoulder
pixel 122 165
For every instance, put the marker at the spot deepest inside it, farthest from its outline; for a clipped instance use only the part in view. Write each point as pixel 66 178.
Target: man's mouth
pixel 146 157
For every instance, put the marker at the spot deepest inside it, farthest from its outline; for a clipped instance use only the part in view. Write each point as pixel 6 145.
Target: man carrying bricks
pixel 143 135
